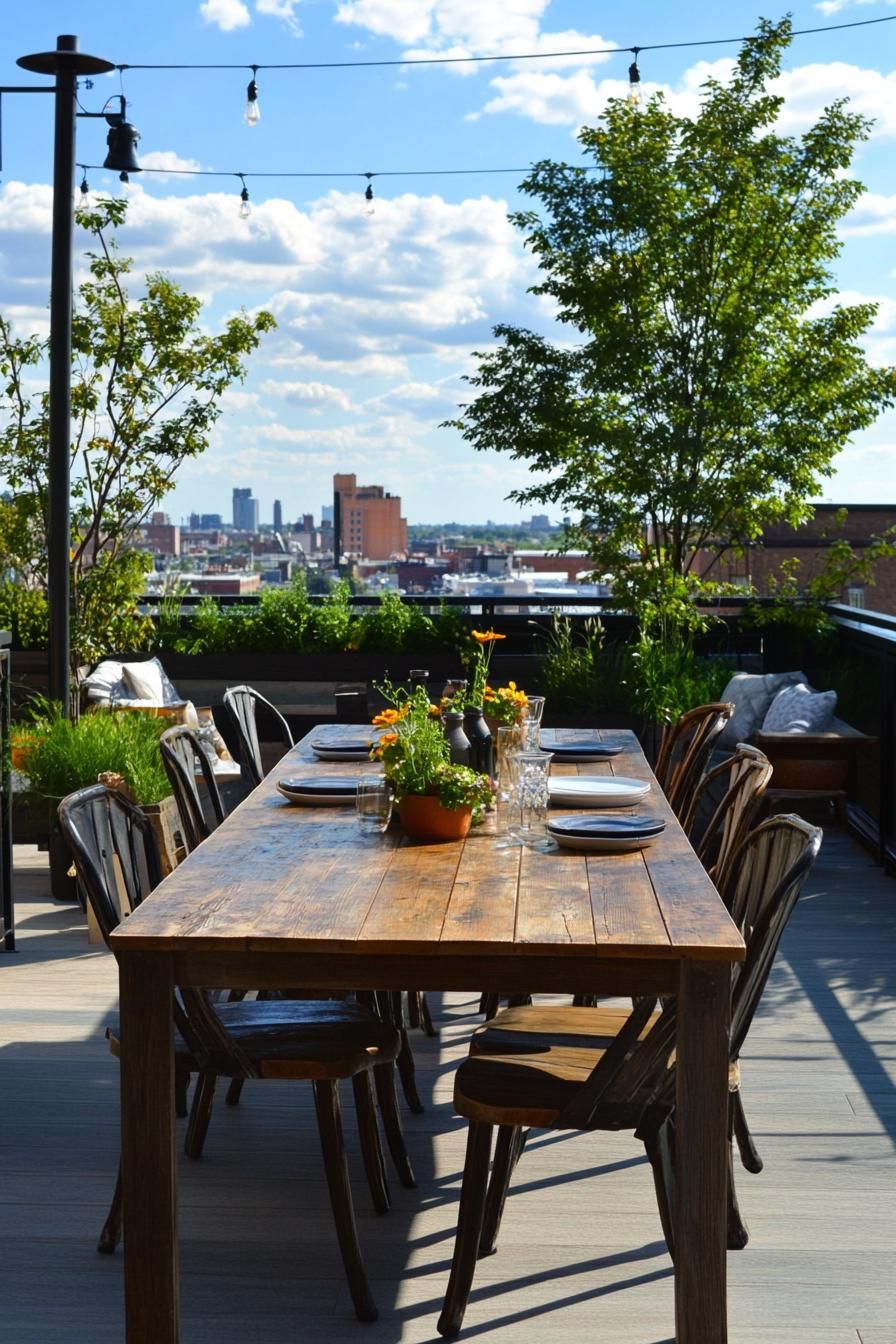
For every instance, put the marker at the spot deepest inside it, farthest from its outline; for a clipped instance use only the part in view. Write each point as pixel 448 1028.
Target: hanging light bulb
pixel 85 185
pixel 634 80
pixel 252 112
pixel 369 208
pixel 245 207
pixel 123 177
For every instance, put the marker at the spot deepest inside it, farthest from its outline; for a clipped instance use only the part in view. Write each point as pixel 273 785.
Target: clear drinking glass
pixel 531 797
pixel 373 803
pixel 508 740
pixel 535 707
pixel 530 733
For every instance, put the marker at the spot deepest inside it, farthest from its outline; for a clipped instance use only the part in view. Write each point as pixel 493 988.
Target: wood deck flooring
pixel 581 1257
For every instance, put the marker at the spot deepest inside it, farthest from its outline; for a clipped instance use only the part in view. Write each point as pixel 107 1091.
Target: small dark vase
pixel 482 755
pixel 458 742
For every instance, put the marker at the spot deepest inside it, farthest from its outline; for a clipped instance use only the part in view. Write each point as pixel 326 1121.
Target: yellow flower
pixel 387 717
pixel 486 636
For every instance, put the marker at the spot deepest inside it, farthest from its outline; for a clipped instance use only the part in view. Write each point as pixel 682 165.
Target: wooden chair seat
pixel 333 1040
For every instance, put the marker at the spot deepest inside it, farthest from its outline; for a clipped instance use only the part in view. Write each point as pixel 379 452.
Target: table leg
pixel 701 1172
pixel 147 1148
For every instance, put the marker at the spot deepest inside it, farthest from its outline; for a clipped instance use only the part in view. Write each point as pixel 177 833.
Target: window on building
pixel 855 595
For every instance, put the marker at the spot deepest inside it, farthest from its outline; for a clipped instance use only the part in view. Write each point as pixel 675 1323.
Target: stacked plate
pixel 596 790
pixel 314 792
pixel 606 835
pixel 334 749
pixel 580 751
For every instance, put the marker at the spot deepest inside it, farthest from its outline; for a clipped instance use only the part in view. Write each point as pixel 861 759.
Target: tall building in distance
pixel 245 511
pixel 367 520
pixel 278 516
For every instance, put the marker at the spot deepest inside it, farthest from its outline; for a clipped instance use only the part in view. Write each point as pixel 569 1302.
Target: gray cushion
pixel 751 696
pixel 797 709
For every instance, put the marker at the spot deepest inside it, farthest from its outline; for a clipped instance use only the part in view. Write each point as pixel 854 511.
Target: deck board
pixel 581 1257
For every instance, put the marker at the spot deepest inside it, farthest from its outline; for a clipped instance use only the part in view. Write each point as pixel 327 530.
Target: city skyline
pixel 379 314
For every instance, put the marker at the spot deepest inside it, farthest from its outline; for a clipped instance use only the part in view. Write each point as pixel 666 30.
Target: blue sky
pixel 379 314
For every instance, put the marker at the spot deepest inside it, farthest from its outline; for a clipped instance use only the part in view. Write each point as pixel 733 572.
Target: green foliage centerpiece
pixel 436 800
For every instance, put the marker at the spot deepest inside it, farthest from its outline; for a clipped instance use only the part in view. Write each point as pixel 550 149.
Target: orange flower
pixel 486 636
pixel 388 739
pixel 387 717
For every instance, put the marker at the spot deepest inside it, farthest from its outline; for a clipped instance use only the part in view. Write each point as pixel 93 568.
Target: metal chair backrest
pixel 114 850
pixel 181 750
pixel 685 750
pixel 744 777
pixel 241 703
pixel 117 863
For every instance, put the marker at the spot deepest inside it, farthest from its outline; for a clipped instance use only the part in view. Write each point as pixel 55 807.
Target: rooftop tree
pixel 147 382
pixel 704 376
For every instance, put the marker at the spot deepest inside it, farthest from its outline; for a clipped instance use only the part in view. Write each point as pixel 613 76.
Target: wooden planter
pixel 424 818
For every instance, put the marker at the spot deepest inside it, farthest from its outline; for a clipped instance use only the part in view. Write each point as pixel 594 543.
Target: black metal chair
pixel 318 1041
pixel 587 1068
pixel 181 750
pixel 241 703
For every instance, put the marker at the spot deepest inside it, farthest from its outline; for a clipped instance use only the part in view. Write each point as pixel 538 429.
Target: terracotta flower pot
pixel 424 818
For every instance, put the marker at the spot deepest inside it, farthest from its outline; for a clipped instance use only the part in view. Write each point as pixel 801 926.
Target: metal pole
pixel 59 539
pixel 66 63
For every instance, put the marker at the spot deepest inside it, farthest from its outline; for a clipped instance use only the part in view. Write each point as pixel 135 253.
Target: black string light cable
pixel 471 60
pixel 245 208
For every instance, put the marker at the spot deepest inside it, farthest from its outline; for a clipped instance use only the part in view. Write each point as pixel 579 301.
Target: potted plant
pixel 436 800
pixel 57 756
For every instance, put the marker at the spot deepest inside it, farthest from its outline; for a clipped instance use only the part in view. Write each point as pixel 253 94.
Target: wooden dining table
pixel 291 895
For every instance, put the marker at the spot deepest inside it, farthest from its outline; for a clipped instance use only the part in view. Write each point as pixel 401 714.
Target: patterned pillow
pixel 751 696
pixel 797 709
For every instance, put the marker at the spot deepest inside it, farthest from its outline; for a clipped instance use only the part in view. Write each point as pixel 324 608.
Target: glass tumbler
pixel 508 740
pixel 531 797
pixel 373 803
pixel 530 733
pixel 535 707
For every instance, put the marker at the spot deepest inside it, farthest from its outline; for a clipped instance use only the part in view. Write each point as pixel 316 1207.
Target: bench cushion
pixel 751 696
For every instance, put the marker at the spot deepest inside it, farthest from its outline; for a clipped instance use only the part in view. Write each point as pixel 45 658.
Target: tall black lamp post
pixel 66 63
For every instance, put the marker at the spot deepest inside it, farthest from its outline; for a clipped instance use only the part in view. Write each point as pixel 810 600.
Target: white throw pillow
pixel 144 681
pixel 798 709
pixel 104 682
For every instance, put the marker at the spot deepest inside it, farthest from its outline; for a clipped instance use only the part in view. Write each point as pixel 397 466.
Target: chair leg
pixel 749 1155
pixel 469 1228
pixel 489 1003
pixel 384 1081
pixel 413 1008
pixel 200 1114
pixel 111 1233
pixel 737 1232
pixel 660 1147
pixel 234 1091
pixel 369 1135
pixel 426 1022
pixel 508 1150
pixel 408 1073
pixel 329 1123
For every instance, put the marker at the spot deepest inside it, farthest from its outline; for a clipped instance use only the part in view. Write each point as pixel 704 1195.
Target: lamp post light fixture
pixel 66 63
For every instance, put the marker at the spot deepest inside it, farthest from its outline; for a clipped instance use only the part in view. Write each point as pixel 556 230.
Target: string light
pixel 85 186
pixel 252 112
pixel 368 195
pixel 245 207
pixel 634 79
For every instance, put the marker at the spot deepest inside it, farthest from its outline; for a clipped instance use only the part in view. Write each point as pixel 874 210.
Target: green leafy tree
pixel 147 382
pixel 704 378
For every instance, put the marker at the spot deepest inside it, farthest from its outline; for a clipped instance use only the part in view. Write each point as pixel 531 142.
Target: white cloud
pixel 281 9
pixel 873 213
pixel 227 14
pixel 835 6
pixel 168 162
pixel 311 395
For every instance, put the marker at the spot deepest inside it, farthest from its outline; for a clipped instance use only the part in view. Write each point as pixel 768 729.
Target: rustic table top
pixel 276 875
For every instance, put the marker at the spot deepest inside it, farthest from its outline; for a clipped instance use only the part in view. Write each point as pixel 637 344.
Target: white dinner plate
pixel 596 790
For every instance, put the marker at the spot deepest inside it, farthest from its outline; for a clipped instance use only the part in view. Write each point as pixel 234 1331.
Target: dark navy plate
pixel 594 824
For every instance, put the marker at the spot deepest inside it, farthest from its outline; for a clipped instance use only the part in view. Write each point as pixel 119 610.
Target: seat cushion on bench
pixel 799 709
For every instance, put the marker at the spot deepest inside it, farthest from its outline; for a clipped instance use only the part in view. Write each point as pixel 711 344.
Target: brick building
pixel 862 524
pixel 368 520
